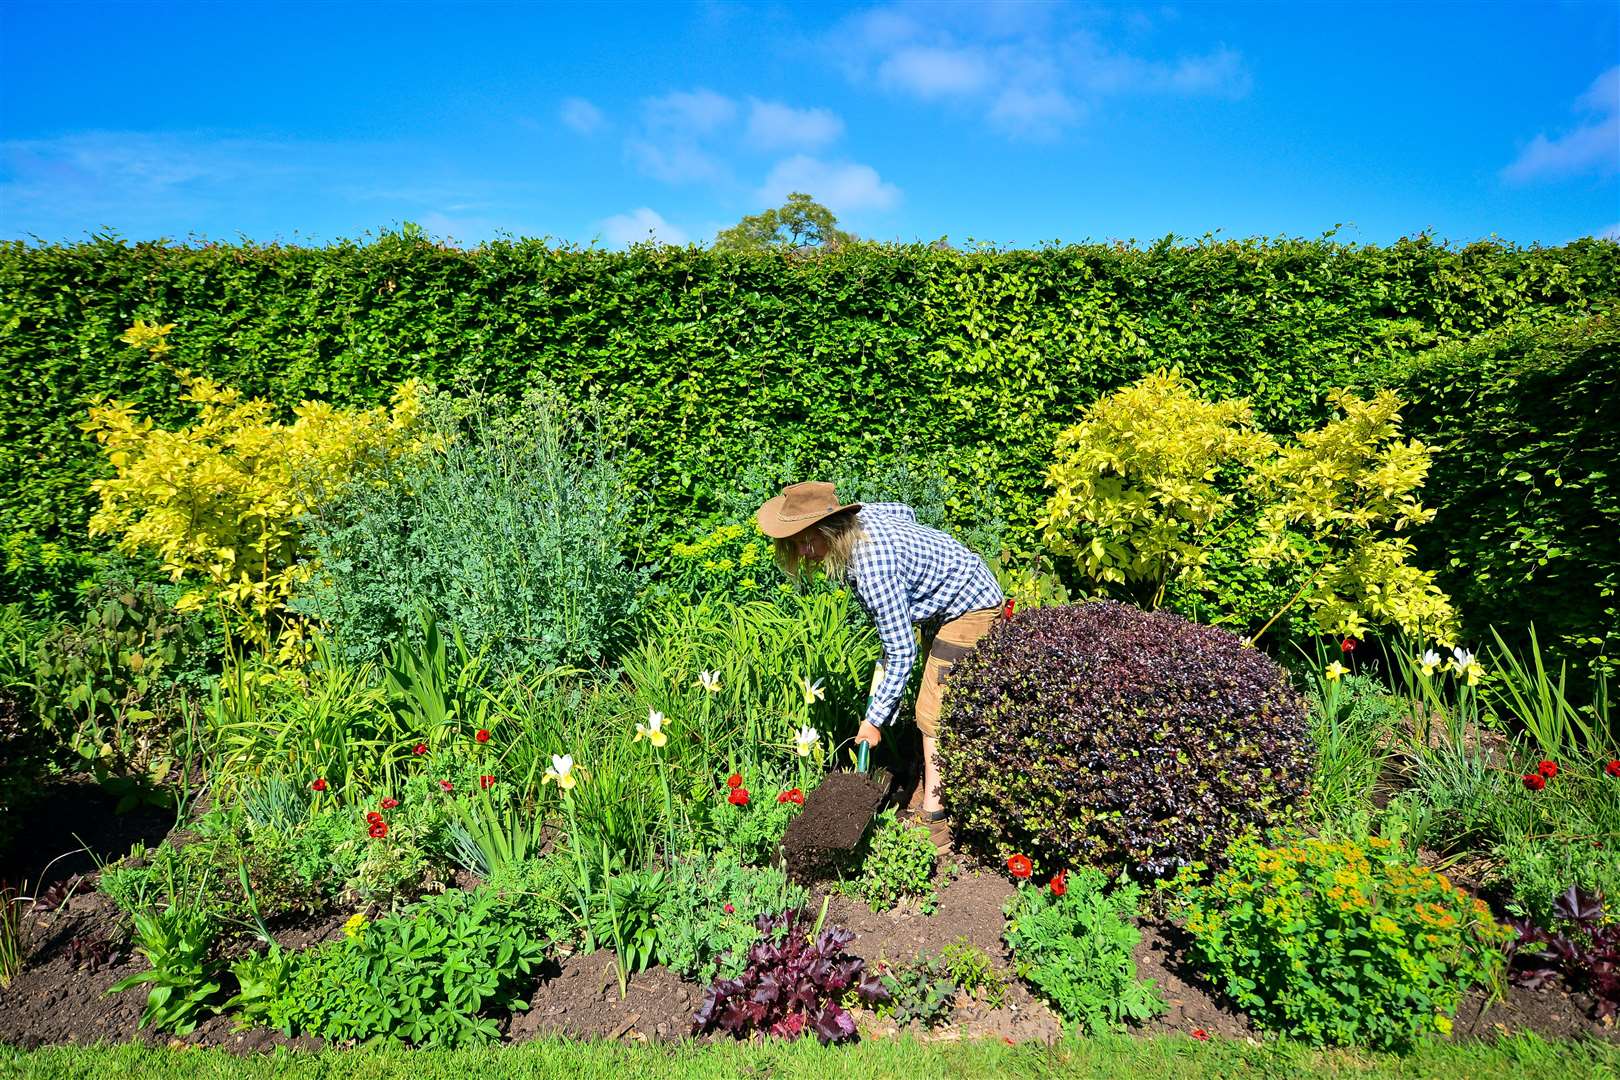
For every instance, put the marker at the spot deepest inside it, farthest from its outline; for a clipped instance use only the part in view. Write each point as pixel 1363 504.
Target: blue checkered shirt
pixel 904 574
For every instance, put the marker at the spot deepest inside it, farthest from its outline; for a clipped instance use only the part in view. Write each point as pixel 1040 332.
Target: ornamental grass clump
pixel 1339 943
pixel 1104 734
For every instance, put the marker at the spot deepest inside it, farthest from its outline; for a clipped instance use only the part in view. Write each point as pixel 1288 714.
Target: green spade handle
pixel 863 756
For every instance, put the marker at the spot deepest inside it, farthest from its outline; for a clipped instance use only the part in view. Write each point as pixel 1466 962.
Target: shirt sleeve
pixel 885 598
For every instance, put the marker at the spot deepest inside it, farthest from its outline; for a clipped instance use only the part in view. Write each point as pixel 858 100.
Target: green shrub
pixel 1100 733
pixel 972 969
pixel 923 992
pixel 536 894
pixel 1076 949
pixel 512 529
pixel 898 865
pixel 707 919
pixel 1535 871
pixel 1525 425
pixel 1339 943
pixel 976 357
pixel 434 975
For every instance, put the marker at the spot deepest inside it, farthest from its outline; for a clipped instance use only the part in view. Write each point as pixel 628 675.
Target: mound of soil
pixel 580 998
pixel 820 840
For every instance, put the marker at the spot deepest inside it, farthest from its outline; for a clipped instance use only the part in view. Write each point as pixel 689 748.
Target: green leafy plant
pixel 708 918
pixel 1339 943
pixel 626 915
pixel 1073 941
pixel 1100 733
pixel 1354 722
pixel 431 976
pixel 11 935
pixel 923 992
pixel 973 970
pixel 537 894
pixel 898 864
pixel 184 980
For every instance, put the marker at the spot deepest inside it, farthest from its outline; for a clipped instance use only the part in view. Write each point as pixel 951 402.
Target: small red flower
pixel 483 735
pixel 1060 883
pixel 378 830
pixel 738 797
pixel 1549 769
pixel 420 749
pixel 1534 781
pixel 1200 1034
pixel 389 803
pixel 1019 867
pixel 486 782
pixel 447 785
pixel 796 796
pixel 734 781
pixel 373 817
pixel 728 909
pixel 1348 645
pixel 1612 768
pixel 319 785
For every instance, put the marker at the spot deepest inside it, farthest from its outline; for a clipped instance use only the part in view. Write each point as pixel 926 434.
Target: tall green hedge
pixel 977 357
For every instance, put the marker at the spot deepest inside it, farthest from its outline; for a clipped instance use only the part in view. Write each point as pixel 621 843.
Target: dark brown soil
pixel 1193 1004
pixel 581 999
pixel 69 817
pixel 835 818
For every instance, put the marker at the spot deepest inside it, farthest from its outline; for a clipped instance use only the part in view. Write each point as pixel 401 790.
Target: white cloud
pixel 1592 147
pixel 930 72
pixel 642 223
pixel 676 161
pixel 1031 70
pixel 690 112
pixel 774 126
pixel 843 187
pixel 580 115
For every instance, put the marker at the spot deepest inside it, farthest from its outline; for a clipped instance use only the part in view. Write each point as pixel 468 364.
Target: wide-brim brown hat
pixel 799 507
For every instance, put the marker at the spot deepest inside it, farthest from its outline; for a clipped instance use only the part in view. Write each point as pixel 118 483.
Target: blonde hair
pixel 841 533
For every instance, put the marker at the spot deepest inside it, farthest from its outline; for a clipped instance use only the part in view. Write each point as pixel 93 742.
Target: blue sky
pixel 1003 122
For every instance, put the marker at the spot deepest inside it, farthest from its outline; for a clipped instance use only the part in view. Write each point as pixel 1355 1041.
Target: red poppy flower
pixel 319 785
pixel 373 817
pixel 419 749
pixel 378 830
pixel 1200 1034
pixel 738 797
pixel 1612 768
pixel 1019 866
pixel 1348 645
pixel 1549 769
pixel 1060 883
pixel 389 803
pixel 796 796
pixel 728 909
pixel 447 785
pixel 734 781
pixel 486 782
pixel 483 735
pixel 1534 781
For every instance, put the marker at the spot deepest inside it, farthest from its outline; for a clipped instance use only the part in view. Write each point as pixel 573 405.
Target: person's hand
pixel 870 734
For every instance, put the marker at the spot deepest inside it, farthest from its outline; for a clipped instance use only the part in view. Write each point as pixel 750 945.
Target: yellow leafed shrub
pixel 220 499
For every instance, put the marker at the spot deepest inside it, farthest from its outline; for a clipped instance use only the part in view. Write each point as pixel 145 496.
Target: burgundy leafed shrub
pixel 1586 952
pixel 793 983
pixel 1100 733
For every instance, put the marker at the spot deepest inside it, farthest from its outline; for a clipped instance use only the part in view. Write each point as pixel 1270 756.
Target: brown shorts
pixel 949 645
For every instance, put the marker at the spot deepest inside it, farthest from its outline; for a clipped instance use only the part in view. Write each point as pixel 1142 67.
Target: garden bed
pixel 60 1000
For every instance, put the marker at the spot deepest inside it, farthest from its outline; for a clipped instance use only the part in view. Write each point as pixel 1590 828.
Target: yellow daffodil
pixel 710 681
pixel 1335 670
pixel 805 739
pixel 1464 664
pixel 653 729
pixel 561 772
pixel 813 691
pixel 1428 663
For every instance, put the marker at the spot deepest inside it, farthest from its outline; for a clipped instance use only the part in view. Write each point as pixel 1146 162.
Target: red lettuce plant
pixel 793 982
pixel 1101 733
pixel 1586 951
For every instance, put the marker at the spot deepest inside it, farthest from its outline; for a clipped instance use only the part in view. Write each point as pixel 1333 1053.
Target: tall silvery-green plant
pixel 511 525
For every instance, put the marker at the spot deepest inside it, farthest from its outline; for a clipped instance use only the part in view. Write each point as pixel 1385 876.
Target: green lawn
pixel 1114 1058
